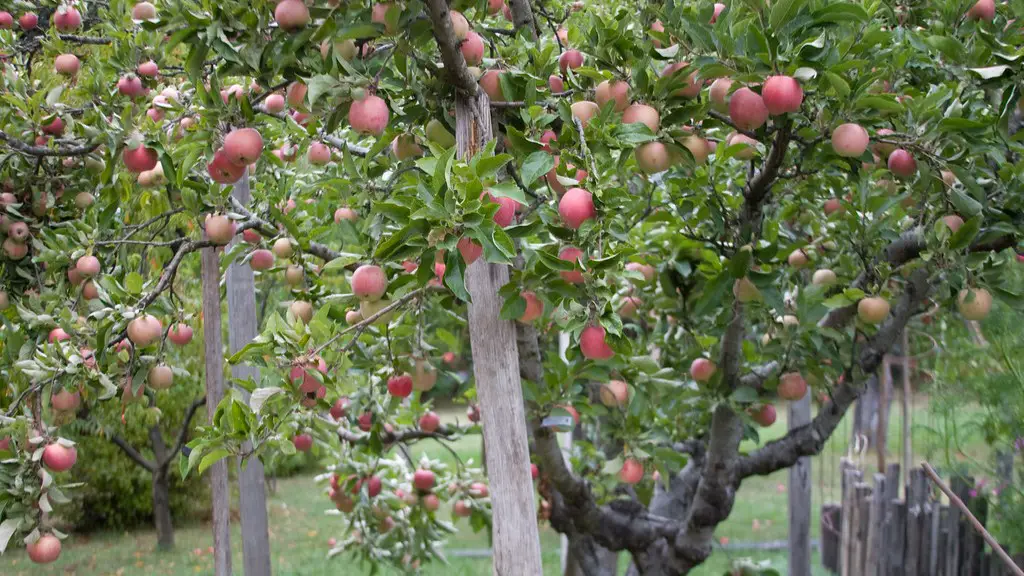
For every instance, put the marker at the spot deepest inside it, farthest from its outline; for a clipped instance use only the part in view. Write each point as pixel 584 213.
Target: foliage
pixel 710 239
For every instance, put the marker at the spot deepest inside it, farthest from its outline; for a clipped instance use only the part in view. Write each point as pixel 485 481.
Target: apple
pixel 67 18
pixel 750 145
pixel 584 111
pixel 302 442
pixel 642 113
pixel 763 416
pixel 478 490
pixel 295 94
pixel 461 509
pixel 88 266
pixel 798 258
pixel 58 457
pixel 369 282
pixel 576 207
pixel 613 90
pixel 139 159
pixel 571 254
pixel 14 250
pixel 219 229
pixel 593 344
pixel 570 60
pixel 44 550
pixel 429 422
pixel 719 94
pixel 148 69
pixel 953 221
pixel 702 369
pixel 6 20
pixel 261 259
pixel 698 147
pixel 792 386
pixel 424 375
pixel 160 377
pixel 902 163
pixel 653 157
pixel 850 140
pixel 369 115
pixel 353 317
pixel 473 49
pixel 630 304
pixel 632 471
pixel 345 213
pixel 506 214
pixel 873 310
pixel 404 147
pixel 824 277
pixel 614 393
pixel 400 385
pixel 782 95
pixel 131 86
pixel 291 15
pixel 67 64
pixel 491 83
pixel 379 16
pixel 28 21
pixel 302 310
pixel 719 8
pixel 244 146
pixel 143 11
pixel 66 401
pixel 982 10
pixel 747 109
pixel 831 206
pixel 648 271
pixel 423 480
pixel 974 303
pixel 473 413
pixel 556 84
pixel 470 250
pixel 180 334
pixel 144 330
pixel 534 471
pixel 294 275
pixel 373 486
pixel 365 421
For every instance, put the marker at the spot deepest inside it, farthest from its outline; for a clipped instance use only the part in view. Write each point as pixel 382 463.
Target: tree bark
pixel 800 496
pixel 242 329
pixel 162 509
pixel 495 366
pixel 214 349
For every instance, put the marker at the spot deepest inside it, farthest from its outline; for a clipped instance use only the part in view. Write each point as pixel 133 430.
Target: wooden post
pixel 496 368
pixel 897 549
pixel 889 525
pixel 937 564
pixel 214 348
pixel 956 528
pixel 242 329
pixel 905 408
pixel 873 556
pixel 862 494
pixel 800 496
pixel 882 430
pixel 915 514
pixel 850 476
pixel 831 524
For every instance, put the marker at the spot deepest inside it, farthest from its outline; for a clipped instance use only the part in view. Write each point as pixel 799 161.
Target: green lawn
pixel 299 529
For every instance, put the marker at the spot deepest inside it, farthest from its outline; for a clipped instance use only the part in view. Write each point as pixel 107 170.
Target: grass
pixel 299 529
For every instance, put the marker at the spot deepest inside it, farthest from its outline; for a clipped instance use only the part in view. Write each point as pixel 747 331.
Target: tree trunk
pixel 583 551
pixel 242 329
pixel 162 509
pixel 161 491
pixel 214 350
pixel 496 368
pixel 800 496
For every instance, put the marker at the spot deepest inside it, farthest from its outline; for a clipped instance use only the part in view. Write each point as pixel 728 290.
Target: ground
pixel 300 529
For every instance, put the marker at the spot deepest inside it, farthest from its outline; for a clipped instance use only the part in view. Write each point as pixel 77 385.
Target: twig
pixel 956 501
pixel 41 151
pixel 367 321
pixel 84 39
pixel 725 119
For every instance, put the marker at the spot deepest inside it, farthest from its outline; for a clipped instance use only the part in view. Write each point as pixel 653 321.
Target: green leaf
pixel 513 308
pixel 343 260
pixel 453 275
pixel 990 72
pixel 261 395
pixel 964 204
pixel 212 458
pixel 536 165
pixel 503 242
pixel 7 529
pixel 133 283
pixel 837 301
pixel 880 103
pixel 357 32
pixel 194 63
pixel 509 190
pixel 783 11
pixel 949 47
pixel 963 237
pixel 489 166
pixel 841 12
pixel 319 85
pixel 740 263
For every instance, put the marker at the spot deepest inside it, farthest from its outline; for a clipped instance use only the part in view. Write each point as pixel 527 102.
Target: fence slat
pixel 915 514
pixel 831 524
pixel 953 552
pixel 892 493
pixel 899 539
pixel 850 476
pixel 872 554
pixel 935 527
pixel 862 494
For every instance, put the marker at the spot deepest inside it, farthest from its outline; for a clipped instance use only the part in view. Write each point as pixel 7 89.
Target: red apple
pixel 571 254
pixel 44 550
pixel 792 386
pixel 593 344
pixel 747 109
pixel 58 457
pixel 632 471
pixel 180 334
pixel 702 369
pixel 369 282
pixel 576 207
pixel 782 95
pixel 400 385
pixel 369 115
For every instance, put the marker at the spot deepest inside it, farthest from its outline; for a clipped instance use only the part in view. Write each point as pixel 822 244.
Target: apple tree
pixel 722 206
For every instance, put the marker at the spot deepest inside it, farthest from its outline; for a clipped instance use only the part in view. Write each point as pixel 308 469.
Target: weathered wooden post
pixel 493 341
pixel 800 496
pixel 242 328
pixel 214 349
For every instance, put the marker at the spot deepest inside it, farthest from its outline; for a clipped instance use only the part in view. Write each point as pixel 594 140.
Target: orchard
pixel 722 207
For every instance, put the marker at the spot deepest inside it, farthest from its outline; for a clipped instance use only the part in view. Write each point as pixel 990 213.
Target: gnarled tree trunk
pixel 162 509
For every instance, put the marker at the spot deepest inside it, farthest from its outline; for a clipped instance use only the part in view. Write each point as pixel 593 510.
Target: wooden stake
pixel 214 346
pixel 800 496
pixel 956 501
pixel 496 369
pixel 242 329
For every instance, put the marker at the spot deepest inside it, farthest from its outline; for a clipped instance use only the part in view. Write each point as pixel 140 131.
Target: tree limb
pixel 808 440
pixel 183 433
pixel 43 151
pixel 451 55
pixel 132 453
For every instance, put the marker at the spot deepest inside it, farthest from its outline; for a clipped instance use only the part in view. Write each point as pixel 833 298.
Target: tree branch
pixel 183 433
pixel 43 151
pixel 84 39
pixel 808 440
pixel 451 55
pixel 132 453
pixel 522 17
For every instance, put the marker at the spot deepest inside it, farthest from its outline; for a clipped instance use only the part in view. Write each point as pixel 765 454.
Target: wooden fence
pixel 875 533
